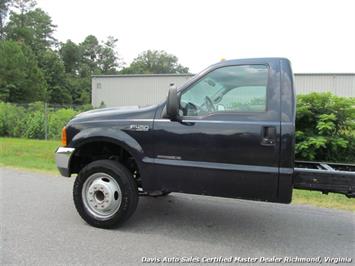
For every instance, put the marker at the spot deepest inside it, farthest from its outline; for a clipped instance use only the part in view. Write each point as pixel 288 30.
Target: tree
pixel 4 9
pixel 59 95
pixel 108 60
pixel 71 56
pixel 33 27
pixel 88 58
pixel 23 6
pixel 62 76
pixel 155 62
pixel 90 49
pixel 53 70
pixel 80 89
pixel 99 58
pixel 21 80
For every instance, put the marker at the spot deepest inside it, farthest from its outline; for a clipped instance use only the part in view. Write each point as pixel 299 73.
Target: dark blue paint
pixel 222 154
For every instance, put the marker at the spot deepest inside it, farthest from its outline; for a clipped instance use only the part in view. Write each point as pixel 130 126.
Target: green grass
pixel 28 153
pixel 39 155
pixel 334 201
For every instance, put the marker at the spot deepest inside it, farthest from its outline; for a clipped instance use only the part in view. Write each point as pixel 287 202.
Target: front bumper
pixel 62 158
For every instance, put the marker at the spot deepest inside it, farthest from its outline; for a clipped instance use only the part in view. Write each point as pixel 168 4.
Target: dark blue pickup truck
pixel 228 132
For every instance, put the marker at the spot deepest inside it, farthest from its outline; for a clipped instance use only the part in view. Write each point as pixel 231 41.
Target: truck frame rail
pixel 325 177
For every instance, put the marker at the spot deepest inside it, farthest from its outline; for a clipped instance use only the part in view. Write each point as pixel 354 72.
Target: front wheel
pixel 105 194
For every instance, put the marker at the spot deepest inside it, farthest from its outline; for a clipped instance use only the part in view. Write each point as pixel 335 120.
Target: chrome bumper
pixel 62 158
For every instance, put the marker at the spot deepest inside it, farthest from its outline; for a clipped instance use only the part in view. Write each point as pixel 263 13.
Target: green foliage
pixel 80 89
pixel 107 57
pixel 98 58
pixel 57 120
pixel 32 27
pixel 53 68
pixel 35 128
pixel 88 58
pixel 84 108
pixel 21 80
pixel 29 121
pixel 11 120
pixel 325 128
pixel 71 56
pixel 90 49
pixel 4 9
pixel 155 62
pixel 63 76
pixel 24 6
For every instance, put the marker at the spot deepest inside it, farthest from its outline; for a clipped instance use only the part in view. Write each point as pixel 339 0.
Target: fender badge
pixel 139 127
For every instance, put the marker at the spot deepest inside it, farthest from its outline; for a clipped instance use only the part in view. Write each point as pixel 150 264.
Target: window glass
pixel 227 89
pixel 244 99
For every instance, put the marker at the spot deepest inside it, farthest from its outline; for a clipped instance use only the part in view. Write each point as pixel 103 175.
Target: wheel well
pixel 100 150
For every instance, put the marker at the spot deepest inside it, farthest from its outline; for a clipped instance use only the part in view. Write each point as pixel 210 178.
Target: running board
pixel 325 177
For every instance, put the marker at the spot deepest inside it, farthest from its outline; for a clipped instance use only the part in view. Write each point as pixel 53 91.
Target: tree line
pixel 35 66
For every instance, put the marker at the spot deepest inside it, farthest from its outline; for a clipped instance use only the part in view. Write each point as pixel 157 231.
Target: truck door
pixel 227 141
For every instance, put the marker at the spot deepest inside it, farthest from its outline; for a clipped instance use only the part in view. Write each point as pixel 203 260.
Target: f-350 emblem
pixel 139 127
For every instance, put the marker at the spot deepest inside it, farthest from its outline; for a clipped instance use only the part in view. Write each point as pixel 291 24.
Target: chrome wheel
pixel 101 196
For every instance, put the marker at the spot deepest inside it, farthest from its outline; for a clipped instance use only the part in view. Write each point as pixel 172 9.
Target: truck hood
pixel 113 113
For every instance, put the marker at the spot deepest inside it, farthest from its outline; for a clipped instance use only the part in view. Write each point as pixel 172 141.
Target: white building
pixel 120 90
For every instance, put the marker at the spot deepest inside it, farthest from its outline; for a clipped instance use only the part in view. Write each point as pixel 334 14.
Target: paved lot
pixel 39 225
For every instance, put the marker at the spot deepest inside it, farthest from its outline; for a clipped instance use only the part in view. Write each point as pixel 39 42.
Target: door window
pixel 227 89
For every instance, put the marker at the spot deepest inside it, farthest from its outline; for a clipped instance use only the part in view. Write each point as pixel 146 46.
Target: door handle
pixel 268 135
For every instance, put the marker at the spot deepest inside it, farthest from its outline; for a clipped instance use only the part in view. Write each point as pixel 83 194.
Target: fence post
pixel 45 121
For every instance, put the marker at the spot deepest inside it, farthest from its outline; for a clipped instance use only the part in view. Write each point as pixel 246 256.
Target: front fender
pixel 114 136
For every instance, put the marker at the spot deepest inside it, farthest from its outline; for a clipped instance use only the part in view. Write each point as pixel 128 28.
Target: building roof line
pixel 141 75
pixel 327 74
pixel 191 75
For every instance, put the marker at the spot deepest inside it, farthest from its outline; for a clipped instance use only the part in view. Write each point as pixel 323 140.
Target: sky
pixel 317 36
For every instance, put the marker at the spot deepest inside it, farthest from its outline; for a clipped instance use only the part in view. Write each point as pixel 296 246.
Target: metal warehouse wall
pixel 339 84
pixel 120 90
pixel 139 90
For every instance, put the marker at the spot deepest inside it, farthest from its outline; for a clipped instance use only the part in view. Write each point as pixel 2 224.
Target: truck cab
pixel 228 132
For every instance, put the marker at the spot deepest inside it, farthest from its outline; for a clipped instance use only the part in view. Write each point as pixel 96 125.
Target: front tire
pixel 105 194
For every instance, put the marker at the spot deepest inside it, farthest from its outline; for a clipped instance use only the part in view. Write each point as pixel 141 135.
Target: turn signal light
pixel 64 136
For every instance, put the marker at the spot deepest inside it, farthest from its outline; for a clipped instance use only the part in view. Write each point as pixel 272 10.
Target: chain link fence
pixel 37 120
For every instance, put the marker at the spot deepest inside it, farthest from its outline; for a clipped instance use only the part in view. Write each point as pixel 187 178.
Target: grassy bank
pixel 335 201
pixel 28 153
pixel 39 155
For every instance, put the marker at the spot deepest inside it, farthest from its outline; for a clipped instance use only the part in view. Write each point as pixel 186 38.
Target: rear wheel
pixel 105 194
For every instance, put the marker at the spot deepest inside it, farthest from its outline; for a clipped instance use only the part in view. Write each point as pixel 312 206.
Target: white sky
pixel 317 36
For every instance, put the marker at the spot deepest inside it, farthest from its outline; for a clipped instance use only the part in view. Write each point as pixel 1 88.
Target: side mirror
pixel 172 104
